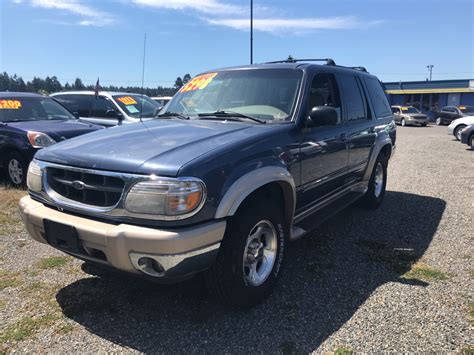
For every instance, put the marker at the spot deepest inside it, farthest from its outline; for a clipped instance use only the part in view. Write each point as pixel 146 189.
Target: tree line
pixel 51 85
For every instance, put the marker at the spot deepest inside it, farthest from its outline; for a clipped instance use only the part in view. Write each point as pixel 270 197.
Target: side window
pixel 100 106
pixel 324 92
pixel 81 104
pixel 377 97
pixel 352 96
pixel 396 110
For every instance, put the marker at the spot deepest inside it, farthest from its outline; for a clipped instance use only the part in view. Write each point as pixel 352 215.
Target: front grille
pixel 91 189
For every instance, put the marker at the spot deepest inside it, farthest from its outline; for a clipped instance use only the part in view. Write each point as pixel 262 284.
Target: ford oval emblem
pixel 78 185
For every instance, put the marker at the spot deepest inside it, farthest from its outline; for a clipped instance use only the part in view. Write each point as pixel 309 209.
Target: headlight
pixel 165 197
pixel 34 176
pixel 39 140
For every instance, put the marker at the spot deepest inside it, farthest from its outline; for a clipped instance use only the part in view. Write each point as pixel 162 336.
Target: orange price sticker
pixel 127 100
pixel 10 104
pixel 198 83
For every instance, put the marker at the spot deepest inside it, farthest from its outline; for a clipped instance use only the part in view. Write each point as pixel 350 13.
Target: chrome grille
pixel 87 188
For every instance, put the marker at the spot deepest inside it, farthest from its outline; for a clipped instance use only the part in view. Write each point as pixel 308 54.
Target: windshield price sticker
pixel 127 100
pixel 10 104
pixel 404 108
pixel 199 82
pixel 462 107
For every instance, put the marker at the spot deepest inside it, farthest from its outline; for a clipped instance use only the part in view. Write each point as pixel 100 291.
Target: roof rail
pixel 328 61
pixel 359 68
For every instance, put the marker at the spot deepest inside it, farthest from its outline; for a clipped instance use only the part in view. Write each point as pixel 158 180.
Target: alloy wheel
pixel 15 171
pixel 378 180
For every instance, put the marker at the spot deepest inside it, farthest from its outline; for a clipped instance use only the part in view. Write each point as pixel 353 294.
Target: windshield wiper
pixel 232 114
pixel 173 114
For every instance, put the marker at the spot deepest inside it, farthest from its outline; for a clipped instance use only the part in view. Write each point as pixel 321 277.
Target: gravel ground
pixel 396 279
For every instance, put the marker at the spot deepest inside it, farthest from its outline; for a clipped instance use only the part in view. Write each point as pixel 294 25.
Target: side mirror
pixel 76 114
pixel 322 116
pixel 114 114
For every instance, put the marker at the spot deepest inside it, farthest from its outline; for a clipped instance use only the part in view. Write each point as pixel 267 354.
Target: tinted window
pixel 448 109
pixel 352 97
pixel 395 110
pixel 82 104
pixel 14 109
pixel 377 97
pixel 100 106
pixel 324 92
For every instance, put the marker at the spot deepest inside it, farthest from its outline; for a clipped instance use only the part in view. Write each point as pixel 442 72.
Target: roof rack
pixel 359 68
pixel 328 61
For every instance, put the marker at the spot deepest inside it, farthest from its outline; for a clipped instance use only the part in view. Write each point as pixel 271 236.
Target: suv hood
pixel 59 130
pixel 158 147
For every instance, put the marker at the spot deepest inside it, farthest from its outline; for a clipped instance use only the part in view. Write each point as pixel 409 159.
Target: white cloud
pixel 90 16
pixel 293 25
pixel 202 6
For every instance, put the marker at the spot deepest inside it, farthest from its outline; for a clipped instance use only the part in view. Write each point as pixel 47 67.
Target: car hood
pixel 158 147
pixel 59 130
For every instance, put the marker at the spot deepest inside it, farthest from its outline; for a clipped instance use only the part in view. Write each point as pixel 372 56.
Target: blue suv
pixel 29 122
pixel 244 160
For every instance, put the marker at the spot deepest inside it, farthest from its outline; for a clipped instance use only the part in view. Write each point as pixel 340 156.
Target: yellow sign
pixel 127 100
pixel 199 82
pixel 10 104
pixel 404 108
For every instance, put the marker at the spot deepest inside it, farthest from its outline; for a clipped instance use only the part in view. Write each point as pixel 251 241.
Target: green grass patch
pixel 343 351
pixel 9 216
pixel 25 328
pixel 467 350
pixel 52 262
pixel 421 271
pixel 65 328
pixel 9 279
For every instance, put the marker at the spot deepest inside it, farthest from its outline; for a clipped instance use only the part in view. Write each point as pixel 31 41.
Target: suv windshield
pixel 137 106
pixel 14 109
pixel 409 110
pixel 467 109
pixel 268 94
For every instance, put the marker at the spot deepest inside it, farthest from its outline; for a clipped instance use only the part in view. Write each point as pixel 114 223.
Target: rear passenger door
pixel 360 128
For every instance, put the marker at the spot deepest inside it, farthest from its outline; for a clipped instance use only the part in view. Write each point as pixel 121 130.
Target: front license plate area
pixel 62 236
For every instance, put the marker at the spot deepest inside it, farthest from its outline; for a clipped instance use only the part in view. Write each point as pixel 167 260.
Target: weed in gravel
pixel 3 303
pixel 421 271
pixel 467 350
pixel 25 327
pixel 52 262
pixel 343 351
pixel 9 279
pixel 65 328
pixel 9 208
pixel 471 313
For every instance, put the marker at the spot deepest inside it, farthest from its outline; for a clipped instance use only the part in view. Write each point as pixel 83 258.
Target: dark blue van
pixel 29 122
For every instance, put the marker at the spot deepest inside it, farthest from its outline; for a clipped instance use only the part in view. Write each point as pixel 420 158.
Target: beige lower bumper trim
pixel 118 241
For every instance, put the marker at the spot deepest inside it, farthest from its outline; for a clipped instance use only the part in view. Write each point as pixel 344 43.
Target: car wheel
pixel 378 181
pixel 251 253
pixel 471 142
pixel 15 169
pixel 438 121
pixel 403 122
pixel 457 131
pixel 423 124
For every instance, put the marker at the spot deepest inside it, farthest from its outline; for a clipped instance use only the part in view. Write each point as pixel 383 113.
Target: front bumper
pixel 415 121
pixel 450 129
pixel 180 252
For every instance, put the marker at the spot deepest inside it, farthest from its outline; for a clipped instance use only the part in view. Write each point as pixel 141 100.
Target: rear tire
pixel 403 123
pixel 457 131
pixel 16 168
pixel 471 142
pixel 375 194
pixel 423 124
pixel 251 254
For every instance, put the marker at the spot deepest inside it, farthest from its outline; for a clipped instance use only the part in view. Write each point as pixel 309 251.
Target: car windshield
pixel 14 109
pixel 409 110
pixel 467 109
pixel 266 94
pixel 137 106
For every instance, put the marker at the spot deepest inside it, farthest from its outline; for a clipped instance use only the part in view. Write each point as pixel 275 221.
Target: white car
pixel 458 125
pixel 162 100
pixel 108 108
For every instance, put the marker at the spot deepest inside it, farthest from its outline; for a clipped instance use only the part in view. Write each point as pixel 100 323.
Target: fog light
pixel 147 265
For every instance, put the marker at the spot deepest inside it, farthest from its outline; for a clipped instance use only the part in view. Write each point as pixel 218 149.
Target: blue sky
pixel 394 39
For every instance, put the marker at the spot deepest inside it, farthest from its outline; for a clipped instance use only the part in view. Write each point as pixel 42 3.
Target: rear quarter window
pixel 82 104
pixel 378 98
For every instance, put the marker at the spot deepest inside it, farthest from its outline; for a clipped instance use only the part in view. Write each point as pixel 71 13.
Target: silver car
pixel 108 108
pixel 409 115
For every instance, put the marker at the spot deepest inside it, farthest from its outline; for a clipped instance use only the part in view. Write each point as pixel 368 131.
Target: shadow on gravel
pixel 328 276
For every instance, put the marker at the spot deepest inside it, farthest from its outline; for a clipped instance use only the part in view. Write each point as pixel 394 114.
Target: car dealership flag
pixel 97 88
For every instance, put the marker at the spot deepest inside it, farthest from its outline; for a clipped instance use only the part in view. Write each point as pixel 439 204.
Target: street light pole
pixel 251 31
pixel 430 69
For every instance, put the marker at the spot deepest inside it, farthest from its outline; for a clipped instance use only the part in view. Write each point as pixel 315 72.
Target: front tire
pixel 378 181
pixel 457 131
pixel 403 123
pixel 15 169
pixel 438 121
pixel 471 142
pixel 251 254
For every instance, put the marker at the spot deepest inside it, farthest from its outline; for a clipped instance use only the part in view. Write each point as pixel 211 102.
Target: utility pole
pixel 430 69
pixel 251 31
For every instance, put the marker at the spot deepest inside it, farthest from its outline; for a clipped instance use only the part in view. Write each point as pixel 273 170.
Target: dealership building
pixel 429 96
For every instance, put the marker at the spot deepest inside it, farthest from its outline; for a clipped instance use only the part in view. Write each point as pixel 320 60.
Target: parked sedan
pixel 467 136
pixel 449 113
pixel 458 125
pixel 409 115
pixel 29 122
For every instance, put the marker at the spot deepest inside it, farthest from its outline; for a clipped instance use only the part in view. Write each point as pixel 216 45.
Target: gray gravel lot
pixel 396 279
